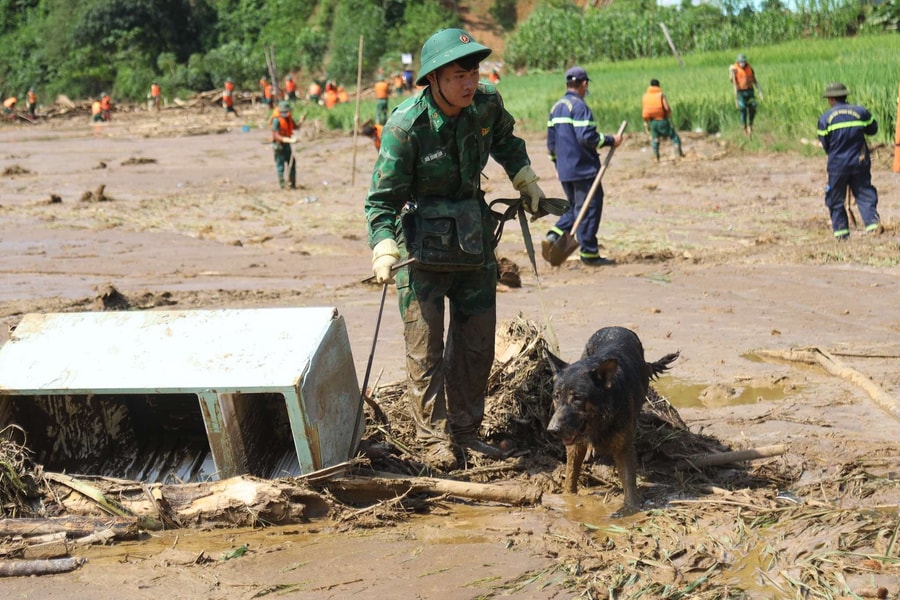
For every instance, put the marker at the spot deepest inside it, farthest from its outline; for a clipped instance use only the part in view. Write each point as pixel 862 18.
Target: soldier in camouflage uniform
pixel 425 201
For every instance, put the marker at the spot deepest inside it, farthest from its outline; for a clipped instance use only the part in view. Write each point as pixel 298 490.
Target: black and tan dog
pixel 597 401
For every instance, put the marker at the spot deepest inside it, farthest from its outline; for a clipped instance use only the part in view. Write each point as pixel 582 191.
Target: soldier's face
pixel 458 84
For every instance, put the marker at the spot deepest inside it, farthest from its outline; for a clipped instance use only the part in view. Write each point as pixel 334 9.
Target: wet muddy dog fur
pixel 597 400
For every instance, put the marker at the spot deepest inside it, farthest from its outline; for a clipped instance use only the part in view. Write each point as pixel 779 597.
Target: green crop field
pixel 792 75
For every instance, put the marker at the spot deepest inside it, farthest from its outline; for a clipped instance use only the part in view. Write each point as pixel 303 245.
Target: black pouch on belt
pixel 445 234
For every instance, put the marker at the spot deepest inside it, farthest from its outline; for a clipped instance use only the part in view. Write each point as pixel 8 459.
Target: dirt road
pixel 718 255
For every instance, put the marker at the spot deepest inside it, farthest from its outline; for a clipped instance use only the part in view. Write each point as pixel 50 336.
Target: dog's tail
pixel 662 365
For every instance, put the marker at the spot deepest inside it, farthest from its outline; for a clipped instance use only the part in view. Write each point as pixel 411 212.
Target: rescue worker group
pixel 842 130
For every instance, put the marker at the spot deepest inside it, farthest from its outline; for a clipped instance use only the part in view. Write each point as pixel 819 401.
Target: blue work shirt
pixel 573 139
pixel 842 130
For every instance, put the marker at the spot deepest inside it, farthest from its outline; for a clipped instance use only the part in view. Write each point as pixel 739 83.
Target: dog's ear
pixel 556 364
pixel 605 373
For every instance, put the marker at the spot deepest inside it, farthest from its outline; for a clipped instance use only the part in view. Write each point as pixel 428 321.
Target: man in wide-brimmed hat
pixel 842 129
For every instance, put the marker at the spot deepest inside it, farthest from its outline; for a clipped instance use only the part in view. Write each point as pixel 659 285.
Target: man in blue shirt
pixel 842 130
pixel 573 140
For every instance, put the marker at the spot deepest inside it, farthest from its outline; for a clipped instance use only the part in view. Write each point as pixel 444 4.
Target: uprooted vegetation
pixel 708 531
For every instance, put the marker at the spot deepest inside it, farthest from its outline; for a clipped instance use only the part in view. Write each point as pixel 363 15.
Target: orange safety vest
pixel 377 139
pixel 398 82
pixel 285 125
pixel 32 98
pixel 10 102
pixel 382 90
pixel 267 91
pixel 743 76
pixel 227 99
pixel 290 86
pixel 154 90
pixel 652 104
pixel 330 97
pixel 95 108
pixel 229 86
pixel 342 95
pixel 315 90
pixel 105 103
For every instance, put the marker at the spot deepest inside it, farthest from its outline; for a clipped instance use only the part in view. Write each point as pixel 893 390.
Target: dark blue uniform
pixel 842 130
pixel 572 140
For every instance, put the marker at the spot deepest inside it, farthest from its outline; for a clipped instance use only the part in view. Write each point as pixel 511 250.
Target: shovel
pixel 557 252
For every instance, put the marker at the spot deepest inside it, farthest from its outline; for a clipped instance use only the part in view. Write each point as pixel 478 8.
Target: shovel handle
pixel 596 184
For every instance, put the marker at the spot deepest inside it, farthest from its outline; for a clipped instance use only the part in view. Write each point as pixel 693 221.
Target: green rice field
pixel 792 75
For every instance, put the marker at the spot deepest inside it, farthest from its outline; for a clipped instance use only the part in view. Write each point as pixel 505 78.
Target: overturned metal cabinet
pixel 182 395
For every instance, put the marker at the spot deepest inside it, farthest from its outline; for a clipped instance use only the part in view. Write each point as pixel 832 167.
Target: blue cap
pixel 577 74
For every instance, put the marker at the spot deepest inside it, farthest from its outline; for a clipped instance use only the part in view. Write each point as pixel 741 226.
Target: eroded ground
pixel 719 255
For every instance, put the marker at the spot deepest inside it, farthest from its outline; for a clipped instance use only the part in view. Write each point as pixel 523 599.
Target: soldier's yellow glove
pixel 385 255
pixel 526 182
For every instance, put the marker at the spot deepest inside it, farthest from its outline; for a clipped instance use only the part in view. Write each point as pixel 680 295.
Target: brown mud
pixel 718 255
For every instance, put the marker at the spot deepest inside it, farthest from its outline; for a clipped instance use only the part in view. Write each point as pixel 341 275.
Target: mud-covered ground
pixel 719 255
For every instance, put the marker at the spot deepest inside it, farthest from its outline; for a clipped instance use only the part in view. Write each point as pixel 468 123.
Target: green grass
pixel 792 76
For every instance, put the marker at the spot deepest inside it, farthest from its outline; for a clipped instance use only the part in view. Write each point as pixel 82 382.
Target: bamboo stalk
pixel 726 458
pixel 815 355
pixel 24 568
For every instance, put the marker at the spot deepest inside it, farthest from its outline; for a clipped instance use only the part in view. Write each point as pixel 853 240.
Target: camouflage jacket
pixel 425 154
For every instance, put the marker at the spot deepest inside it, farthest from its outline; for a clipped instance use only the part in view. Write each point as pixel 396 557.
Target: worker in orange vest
pixel 373 130
pixel 342 94
pixel 657 113
pixel 330 97
pixel 9 106
pixel 105 107
pixel 31 102
pixel 743 80
pixel 314 93
pixel 382 91
pixel 283 126
pixel 398 84
pixel 290 89
pixel 155 95
pixel 267 96
pixel 228 98
pixel 96 112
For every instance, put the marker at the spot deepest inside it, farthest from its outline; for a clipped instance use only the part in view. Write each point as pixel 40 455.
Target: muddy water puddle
pixel 684 394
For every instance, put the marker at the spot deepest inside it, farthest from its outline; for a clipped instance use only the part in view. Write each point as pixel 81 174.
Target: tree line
pixel 84 47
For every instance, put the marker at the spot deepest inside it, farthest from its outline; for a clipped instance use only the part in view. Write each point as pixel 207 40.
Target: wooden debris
pixel 96 196
pixel 123 528
pixel 727 458
pixel 816 356
pixel 25 568
pixel 388 485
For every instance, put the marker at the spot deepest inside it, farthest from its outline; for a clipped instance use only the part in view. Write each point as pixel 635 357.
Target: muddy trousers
pixel 662 128
pixel 446 382
pixel 746 100
pixel 576 192
pixel 381 111
pixel 866 195
pixel 283 156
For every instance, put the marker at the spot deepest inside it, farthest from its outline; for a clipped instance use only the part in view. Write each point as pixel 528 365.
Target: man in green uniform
pixel 425 201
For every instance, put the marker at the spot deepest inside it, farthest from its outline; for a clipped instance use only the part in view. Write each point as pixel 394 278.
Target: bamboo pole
pixel 671 43
pixel 356 114
pixel 727 458
pixel 21 568
pixel 820 357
